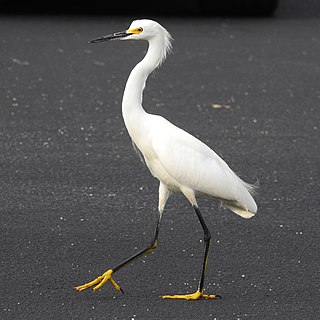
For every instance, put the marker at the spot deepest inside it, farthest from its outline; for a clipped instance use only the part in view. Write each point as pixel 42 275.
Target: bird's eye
pixel 139 29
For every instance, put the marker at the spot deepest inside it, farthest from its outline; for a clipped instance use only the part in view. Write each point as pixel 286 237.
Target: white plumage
pixel 181 162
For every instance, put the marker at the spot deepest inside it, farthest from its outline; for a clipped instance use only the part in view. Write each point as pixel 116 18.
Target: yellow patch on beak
pixel 135 31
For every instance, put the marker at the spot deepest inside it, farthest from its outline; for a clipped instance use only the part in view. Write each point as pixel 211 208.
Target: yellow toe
pixel 99 282
pixel 193 296
pixel 88 284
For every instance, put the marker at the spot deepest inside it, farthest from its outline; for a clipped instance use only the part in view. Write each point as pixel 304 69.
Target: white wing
pixel 179 159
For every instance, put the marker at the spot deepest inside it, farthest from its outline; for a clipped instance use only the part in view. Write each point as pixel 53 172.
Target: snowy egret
pixel 180 162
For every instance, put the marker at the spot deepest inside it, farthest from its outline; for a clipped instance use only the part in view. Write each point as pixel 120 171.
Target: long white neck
pixel 132 109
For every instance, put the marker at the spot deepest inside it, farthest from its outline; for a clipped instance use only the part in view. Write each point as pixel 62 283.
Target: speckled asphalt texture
pixel 76 200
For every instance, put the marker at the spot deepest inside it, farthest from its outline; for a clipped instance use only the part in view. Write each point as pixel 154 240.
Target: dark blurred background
pixel 282 8
pixel 75 199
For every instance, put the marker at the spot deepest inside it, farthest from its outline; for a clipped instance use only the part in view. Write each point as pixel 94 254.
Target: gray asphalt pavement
pixel 76 200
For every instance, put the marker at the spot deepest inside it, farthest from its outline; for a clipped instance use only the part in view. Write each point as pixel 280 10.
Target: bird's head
pixel 139 30
pixel 145 29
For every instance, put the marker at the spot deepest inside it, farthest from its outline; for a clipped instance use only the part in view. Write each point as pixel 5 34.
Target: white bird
pixel 180 162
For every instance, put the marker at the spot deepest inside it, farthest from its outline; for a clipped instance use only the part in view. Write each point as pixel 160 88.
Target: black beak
pixel 117 35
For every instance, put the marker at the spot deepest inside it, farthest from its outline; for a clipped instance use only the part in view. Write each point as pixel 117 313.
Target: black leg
pixel 207 241
pixel 149 249
pixel 199 293
pixel 107 276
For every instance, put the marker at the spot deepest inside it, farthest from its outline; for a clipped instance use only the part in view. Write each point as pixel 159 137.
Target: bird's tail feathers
pixel 245 206
pixel 251 187
pixel 240 211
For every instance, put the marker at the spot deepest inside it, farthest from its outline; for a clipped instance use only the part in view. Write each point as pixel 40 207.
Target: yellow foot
pixel 193 296
pixel 99 282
